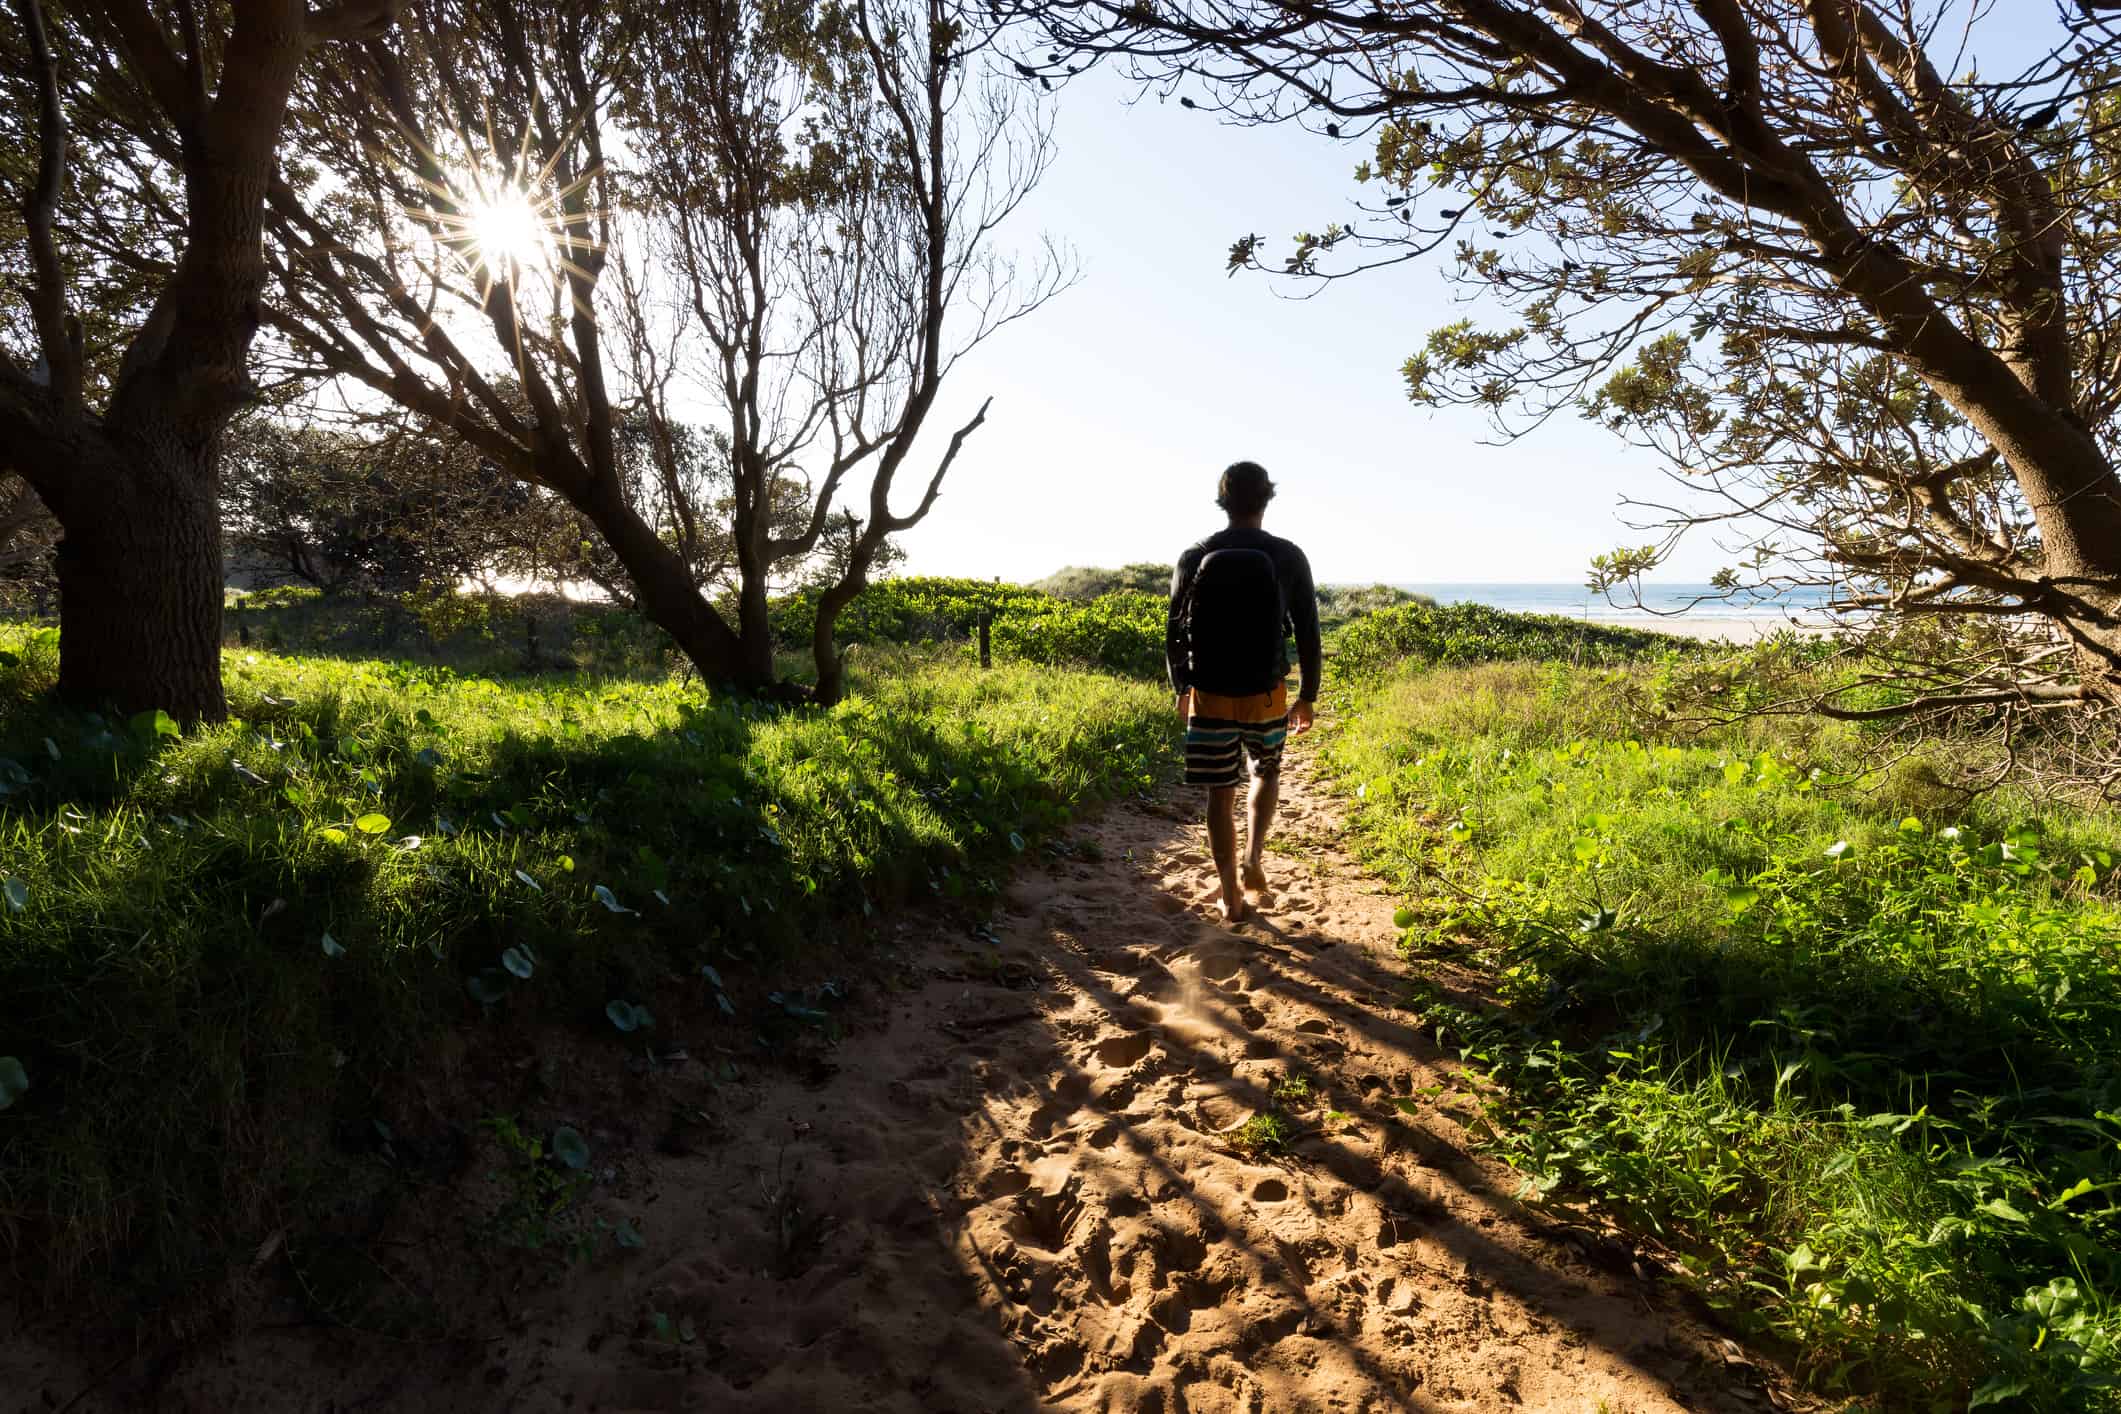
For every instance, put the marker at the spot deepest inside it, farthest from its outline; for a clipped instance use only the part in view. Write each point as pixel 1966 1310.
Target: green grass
pixel 1857 1059
pixel 1269 1133
pixel 1122 631
pixel 1426 633
pixel 201 1060
pixel 491 634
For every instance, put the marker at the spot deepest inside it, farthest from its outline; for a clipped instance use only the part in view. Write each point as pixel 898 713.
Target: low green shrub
pixel 916 609
pixel 1078 582
pixel 1122 631
pixel 218 946
pixel 494 634
pixel 1459 634
pixel 280 596
pixel 1339 603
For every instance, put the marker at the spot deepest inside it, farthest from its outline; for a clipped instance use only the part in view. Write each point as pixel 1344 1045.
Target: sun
pixel 505 227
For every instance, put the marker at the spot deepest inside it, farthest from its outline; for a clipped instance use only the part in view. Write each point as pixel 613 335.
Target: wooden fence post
pixel 986 647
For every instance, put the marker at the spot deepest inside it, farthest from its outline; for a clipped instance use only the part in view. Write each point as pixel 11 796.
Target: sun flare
pixel 506 229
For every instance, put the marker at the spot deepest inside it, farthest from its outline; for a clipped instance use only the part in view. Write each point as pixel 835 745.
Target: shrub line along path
pixel 1049 1177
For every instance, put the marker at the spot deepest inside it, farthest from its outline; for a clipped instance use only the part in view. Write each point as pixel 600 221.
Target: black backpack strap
pixel 1178 616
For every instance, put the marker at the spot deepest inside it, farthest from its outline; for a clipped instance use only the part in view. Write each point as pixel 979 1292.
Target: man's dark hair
pixel 1245 489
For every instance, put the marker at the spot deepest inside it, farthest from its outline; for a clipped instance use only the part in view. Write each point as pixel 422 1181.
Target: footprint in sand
pixel 1004 1183
pixel 1125 1052
pixel 1270 1190
pixel 1219 1107
pixel 1044 1220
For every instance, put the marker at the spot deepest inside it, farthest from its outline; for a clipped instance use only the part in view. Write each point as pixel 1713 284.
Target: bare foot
pixel 1235 909
pixel 1255 878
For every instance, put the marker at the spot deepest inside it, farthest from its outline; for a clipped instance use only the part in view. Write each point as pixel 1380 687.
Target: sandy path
pixel 1019 1190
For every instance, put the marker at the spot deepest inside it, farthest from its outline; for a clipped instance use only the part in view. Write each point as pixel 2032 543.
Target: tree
pixel 142 305
pixel 539 191
pixel 1868 302
pixel 27 534
pixel 335 507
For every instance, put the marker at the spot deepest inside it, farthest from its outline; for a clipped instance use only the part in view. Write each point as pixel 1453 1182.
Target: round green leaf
pixel 332 946
pixel 627 1016
pixel 13 1081
pixel 518 963
pixel 154 724
pixel 372 823
pixel 1402 917
pixel 570 1148
pixel 17 893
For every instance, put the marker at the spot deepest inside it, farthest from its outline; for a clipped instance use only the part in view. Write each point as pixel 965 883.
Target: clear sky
pixel 1116 406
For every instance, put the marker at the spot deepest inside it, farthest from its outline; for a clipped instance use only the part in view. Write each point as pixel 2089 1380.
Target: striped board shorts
pixel 1226 734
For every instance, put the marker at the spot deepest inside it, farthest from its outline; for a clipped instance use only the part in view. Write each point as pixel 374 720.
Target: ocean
pixel 1695 601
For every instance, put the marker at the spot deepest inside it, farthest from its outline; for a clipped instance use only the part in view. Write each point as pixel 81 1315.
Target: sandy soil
pixel 1015 1186
pixel 1747 630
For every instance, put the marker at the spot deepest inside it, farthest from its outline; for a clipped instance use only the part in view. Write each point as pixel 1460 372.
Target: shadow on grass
pixel 219 959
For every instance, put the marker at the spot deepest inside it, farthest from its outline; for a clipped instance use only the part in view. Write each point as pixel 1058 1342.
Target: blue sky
pixel 1116 406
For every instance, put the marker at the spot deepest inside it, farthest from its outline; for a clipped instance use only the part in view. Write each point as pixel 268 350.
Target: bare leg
pixel 1222 842
pixel 1266 794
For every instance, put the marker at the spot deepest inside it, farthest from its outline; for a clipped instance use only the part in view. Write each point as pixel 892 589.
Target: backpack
pixel 1233 618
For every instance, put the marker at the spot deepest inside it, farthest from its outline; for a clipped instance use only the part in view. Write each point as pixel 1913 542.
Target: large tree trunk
pixel 2095 579
pixel 831 663
pixel 2075 496
pixel 140 587
pixel 755 625
pixel 136 490
pixel 663 587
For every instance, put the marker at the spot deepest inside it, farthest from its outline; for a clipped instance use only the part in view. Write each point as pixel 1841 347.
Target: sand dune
pixel 1737 630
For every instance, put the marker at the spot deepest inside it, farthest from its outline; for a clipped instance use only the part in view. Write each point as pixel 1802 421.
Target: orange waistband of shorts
pixel 1253 707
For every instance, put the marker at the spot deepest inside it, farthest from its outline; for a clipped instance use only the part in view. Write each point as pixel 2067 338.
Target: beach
pixel 1737 630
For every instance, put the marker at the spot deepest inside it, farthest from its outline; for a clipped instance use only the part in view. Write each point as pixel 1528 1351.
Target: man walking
pixel 1234 599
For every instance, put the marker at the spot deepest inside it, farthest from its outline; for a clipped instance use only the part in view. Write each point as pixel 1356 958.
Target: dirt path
pixel 1021 1190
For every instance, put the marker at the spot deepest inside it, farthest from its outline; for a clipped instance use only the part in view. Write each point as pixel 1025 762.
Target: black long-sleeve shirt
pixel 1299 603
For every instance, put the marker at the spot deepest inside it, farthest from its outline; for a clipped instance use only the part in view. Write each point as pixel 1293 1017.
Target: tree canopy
pixel 554 232
pixel 1854 285
pixel 138 160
